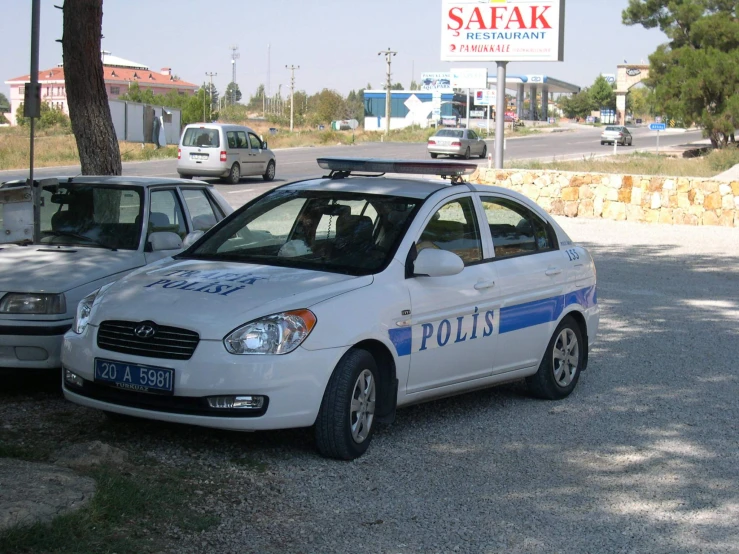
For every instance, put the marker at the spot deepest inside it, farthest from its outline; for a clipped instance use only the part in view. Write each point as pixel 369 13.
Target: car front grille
pixel 169 343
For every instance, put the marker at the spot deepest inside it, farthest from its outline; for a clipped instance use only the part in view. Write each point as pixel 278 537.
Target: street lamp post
pixel 388 93
pixel 292 69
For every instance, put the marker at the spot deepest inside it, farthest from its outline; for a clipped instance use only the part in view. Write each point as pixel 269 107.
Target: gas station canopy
pixel 535 82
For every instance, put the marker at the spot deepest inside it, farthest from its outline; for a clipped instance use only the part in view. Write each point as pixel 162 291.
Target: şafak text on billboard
pixel 502 30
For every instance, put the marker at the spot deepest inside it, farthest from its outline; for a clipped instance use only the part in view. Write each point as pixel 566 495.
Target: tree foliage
pixel 695 75
pixel 602 94
pixel 50 117
pixel 233 93
pixel 577 105
pixel 4 104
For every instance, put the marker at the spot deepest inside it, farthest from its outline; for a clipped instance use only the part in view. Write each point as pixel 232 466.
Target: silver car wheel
pixel 362 407
pixel 566 357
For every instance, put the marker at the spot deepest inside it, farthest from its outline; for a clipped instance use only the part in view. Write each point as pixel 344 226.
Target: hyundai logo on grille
pixel 145 330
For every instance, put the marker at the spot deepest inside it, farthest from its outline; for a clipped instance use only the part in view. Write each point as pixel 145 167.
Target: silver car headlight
pixel 274 334
pixel 33 303
pixel 84 309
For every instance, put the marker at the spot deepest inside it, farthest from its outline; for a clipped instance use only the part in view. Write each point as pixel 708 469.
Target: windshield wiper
pixel 80 236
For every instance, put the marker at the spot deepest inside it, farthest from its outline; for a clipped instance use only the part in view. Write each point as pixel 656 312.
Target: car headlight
pixel 84 309
pixel 32 303
pixel 274 334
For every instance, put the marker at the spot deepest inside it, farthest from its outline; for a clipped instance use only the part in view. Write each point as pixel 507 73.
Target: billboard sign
pixel 485 97
pixel 436 81
pixel 469 78
pixel 502 30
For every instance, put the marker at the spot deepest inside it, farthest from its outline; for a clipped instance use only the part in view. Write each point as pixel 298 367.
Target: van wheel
pixel 234 176
pixel 270 173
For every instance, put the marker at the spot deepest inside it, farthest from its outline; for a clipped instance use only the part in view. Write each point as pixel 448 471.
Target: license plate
pixel 135 377
pixel 198 156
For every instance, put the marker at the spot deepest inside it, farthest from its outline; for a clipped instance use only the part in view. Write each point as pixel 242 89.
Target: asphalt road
pixel 300 163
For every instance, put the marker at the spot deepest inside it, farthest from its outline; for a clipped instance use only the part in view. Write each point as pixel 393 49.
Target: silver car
pixel 222 150
pixel 457 142
pixel 616 133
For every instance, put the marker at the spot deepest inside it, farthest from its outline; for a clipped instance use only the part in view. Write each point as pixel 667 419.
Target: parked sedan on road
pixel 94 230
pixel 457 142
pixel 331 302
pixel 618 134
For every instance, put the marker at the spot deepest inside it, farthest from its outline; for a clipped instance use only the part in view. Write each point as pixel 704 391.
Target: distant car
pixel 94 230
pixel 330 302
pixel 223 150
pixel 457 142
pixel 616 133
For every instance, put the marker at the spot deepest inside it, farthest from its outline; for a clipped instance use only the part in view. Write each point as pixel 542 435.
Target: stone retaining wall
pixel 673 200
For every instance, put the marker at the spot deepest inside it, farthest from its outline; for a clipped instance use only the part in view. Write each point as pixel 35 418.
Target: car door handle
pixel 482 285
pixel 552 271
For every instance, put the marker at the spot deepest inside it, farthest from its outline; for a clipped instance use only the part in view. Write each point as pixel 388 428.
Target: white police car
pixel 331 302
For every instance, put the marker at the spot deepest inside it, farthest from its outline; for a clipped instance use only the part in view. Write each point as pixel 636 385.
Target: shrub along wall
pixel 682 201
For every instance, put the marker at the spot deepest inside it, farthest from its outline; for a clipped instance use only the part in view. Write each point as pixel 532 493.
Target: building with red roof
pixel 117 73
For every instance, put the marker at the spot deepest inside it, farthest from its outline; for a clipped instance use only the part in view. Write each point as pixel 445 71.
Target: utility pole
pixel 388 58
pixel 292 69
pixel 210 91
pixel 234 56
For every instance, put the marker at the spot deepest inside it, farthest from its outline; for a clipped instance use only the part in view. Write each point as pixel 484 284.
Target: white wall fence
pixel 134 122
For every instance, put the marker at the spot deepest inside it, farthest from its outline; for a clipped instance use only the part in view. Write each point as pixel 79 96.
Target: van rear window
pixel 201 137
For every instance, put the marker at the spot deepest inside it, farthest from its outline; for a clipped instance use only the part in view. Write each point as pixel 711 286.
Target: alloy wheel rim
pixel 362 409
pixel 271 171
pixel 565 357
pixel 235 172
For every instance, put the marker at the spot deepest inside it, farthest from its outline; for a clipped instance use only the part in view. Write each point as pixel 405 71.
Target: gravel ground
pixel 643 457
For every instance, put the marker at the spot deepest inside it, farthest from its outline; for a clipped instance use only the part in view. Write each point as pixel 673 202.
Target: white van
pixel 223 150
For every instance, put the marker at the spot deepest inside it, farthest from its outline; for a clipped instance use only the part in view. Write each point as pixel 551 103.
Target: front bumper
pixel 31 346
pixel 293 384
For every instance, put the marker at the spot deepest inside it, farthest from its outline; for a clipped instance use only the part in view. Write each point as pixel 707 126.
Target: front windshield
pixel 91 215
pixel 339 232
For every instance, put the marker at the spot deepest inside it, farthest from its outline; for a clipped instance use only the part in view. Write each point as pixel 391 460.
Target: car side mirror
pixel 165 240
pixel 192 238
pixel 264 145
pixel 431 262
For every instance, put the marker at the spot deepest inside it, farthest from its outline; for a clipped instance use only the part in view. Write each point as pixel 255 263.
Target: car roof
pixel 118 180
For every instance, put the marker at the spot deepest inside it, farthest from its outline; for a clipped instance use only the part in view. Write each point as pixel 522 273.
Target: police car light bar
pixel 416 167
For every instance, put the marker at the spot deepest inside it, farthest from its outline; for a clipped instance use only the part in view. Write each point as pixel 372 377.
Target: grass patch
pixel 12 445
pixel 641 163
pixel 130 513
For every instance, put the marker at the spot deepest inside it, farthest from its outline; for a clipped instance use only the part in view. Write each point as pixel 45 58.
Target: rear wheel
pixel 234 176
pixel 434 156
pixel 467 153
pixel 346 420
pixel 560 368
pixel 484 151
pixel 270 173
pixel 188 177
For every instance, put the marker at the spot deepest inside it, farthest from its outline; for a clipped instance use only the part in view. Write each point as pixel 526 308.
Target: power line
pixel 388 58
pixel 292 69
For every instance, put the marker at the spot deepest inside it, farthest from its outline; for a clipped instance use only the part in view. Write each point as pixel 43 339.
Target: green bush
pixel 50 117
pixel 723 159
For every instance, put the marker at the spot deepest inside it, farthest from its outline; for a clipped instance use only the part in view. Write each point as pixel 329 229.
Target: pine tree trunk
pixel 89 111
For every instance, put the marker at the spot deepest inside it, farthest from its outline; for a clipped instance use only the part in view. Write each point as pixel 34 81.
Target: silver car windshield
pixel 338 232
pixel 91 215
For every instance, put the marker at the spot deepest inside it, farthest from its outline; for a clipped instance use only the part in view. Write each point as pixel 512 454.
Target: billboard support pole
pixel 468 109
pixel 500 106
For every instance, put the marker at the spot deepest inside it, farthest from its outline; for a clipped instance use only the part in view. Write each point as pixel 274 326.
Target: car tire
pixel 269 175
pixel 234 174
pixel 434 156
pixel 467 153
pixel 484 151
pixel 346 421
pixel 188 177
pixel 602 143
pixel 563 360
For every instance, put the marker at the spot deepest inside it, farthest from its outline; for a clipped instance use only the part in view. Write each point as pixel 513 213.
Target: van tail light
pixel 457 143
pixel 179 153
pixel 223 156
pixel 432 141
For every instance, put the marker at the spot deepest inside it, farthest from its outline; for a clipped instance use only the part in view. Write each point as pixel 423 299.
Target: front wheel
pixel 269 175
pixel 467 153
pixel 434 156
pixel 560 368
pixel 234 176
pixel 345 422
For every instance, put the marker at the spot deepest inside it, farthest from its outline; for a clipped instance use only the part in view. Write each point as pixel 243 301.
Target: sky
pixel 335 42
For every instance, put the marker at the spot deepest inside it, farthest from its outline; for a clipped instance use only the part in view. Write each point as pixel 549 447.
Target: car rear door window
pixel 166 213
pixel 201 137
pixel 201 209
pixel 515 229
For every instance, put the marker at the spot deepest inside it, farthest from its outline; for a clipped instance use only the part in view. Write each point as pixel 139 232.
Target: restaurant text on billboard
pixel 502 30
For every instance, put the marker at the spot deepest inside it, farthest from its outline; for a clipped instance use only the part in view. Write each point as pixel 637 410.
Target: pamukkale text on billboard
pixel 502 30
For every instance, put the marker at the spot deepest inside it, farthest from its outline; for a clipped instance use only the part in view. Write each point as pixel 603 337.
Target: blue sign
pixel 657 126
